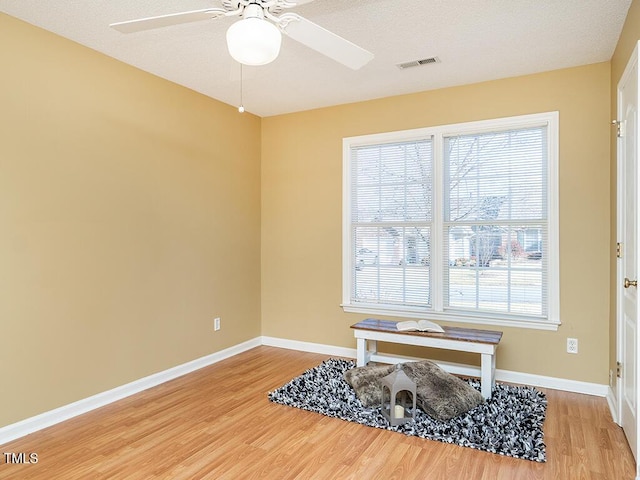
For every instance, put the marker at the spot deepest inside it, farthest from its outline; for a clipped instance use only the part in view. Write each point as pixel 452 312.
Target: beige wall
pixel 301 211
pixel 626 43
pixel 130 217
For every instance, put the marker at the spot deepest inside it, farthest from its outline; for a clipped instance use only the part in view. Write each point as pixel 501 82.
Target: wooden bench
pixel 484 342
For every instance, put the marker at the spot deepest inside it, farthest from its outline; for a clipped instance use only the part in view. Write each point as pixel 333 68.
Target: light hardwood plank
pixel 217 423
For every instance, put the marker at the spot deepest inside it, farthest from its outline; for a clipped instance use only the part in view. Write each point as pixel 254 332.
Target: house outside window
pixel 455 222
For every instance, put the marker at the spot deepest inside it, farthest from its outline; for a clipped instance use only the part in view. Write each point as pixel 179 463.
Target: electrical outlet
pixel 572 345
pixel 216 323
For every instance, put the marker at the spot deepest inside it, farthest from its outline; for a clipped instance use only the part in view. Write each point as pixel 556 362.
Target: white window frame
pixel 437 134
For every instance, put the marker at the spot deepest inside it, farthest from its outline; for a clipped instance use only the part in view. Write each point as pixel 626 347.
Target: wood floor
pixel 217 423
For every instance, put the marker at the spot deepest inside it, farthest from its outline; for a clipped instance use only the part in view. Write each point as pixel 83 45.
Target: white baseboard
pixel 612 401
pixel 47 419
pixel 459 369
pixel 309 347
pixel 553 383
pixel 20 429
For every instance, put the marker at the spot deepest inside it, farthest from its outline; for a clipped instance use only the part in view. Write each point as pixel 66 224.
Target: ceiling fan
pixel 256 39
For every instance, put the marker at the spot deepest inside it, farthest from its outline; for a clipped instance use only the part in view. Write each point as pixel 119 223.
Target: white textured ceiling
pixel 476 40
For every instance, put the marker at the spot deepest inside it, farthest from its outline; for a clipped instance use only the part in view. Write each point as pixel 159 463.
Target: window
pixel 456 222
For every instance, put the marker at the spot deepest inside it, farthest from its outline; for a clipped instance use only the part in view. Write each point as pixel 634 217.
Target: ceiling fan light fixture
pixel 256 38
pixel 254 41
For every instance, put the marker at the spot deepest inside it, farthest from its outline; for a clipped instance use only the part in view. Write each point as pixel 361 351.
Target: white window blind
pixel 391 223
pixel 494 207
pixel 457 222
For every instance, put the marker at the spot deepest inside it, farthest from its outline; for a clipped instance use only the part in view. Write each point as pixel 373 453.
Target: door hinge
pixel 620 127
pixel 619 250
pixel 618 369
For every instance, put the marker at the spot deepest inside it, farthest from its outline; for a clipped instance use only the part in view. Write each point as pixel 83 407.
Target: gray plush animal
pixel 439 394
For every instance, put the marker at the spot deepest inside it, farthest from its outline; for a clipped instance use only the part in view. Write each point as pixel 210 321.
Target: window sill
pixel 454 317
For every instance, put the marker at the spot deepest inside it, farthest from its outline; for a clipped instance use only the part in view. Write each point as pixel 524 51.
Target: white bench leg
pixel 487 374
pixel 364 350
pixel 361 352
pixel 373 350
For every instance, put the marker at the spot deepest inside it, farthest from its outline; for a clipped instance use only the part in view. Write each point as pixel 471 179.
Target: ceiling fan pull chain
pixel 241 107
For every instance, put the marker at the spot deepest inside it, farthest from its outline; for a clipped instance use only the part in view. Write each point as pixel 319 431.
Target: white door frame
pixel 620 274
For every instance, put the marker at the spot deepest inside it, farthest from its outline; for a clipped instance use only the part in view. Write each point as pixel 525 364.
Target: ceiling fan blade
pixel 295 3
pixel 150 23
pixel 324 41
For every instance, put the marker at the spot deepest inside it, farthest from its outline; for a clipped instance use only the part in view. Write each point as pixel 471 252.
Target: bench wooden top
pixel 450 333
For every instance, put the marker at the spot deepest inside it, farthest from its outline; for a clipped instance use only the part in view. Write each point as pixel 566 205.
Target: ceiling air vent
pixel 417 63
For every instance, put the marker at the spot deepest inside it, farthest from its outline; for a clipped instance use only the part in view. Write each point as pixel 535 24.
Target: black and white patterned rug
pixel 510 423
